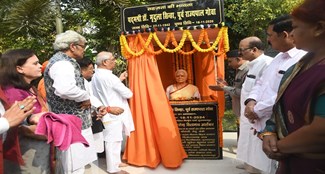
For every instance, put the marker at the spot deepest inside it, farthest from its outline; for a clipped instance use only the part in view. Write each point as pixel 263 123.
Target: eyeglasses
pixel 82 46
pixel 243 49
pixel 112 59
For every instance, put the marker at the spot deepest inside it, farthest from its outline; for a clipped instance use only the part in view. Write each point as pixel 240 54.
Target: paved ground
pixel 224 166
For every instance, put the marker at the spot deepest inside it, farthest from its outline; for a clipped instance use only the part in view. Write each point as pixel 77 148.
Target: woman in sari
pixel 295 135
pixel 182 90
pixel 19 69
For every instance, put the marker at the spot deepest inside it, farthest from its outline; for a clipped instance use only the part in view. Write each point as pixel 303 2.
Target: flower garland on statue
pixel 127 52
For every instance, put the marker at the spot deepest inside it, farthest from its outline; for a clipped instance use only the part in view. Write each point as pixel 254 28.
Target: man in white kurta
pixel 262 97
pixel 110 90
pixel 66 94
pixel 249 146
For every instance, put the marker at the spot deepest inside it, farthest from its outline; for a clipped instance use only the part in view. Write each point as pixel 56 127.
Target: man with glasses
pixel 261 99
pixel 110 90
pixel 66 94
pixel 249 146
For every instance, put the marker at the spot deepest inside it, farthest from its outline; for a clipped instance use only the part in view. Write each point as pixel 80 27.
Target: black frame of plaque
pixel 172 15
pixel 198 126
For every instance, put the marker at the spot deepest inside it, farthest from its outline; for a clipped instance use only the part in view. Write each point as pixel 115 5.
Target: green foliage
pixel 27 24
pixel 251 17
pixel 31 23
pixel 229 121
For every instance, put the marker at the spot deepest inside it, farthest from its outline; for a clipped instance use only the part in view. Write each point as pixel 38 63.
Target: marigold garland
pixel 222 34
pixel 181 43
pixel 201 36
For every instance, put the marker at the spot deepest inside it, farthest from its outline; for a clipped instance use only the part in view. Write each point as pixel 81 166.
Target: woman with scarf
pixel 24 151
pixel 295 135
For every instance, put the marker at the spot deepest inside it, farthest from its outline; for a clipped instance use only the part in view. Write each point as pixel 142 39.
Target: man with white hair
pixel 110 90
pixel 66 94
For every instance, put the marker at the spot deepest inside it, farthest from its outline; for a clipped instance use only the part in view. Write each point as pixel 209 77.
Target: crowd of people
pixel 279 102
pixel 282 98
pixel 76 124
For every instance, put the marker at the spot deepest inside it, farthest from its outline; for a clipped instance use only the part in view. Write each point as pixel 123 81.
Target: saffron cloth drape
pixel 156 137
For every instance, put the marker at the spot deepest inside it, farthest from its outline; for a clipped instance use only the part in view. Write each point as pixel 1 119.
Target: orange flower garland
pixel 222 34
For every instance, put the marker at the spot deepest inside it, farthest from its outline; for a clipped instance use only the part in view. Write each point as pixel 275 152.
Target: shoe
pixel 252 170
pixel 120 172
pixel 88 166
pixel 123 165
pixel 241 166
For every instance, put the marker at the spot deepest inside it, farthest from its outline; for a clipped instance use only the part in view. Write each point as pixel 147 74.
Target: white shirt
pixel 93 100
pixel 249 149
pixel 266 88
pixel 109 89
pixel 4 124
pixel 62 72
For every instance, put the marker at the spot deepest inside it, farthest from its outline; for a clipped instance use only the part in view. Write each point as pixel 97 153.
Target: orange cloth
pixel 41 88
pixel 41 85
pixel 156 137
pixel 205 71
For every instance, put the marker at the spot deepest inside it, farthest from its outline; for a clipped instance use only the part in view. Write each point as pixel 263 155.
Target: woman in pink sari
pixel 19 70
pixel 295 136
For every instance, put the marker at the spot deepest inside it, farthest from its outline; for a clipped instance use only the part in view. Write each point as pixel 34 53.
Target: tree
pixel 26 24
pixel 251 17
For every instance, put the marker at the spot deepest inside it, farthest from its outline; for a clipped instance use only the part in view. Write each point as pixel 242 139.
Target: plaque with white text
pixel 172 14
pixel 198 126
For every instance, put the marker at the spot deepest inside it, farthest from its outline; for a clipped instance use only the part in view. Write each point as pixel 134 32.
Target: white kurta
pixel 62 73
pixel 95 102
pixel 109 89
pixel 78 155
pixel 266 88
pixel 249 148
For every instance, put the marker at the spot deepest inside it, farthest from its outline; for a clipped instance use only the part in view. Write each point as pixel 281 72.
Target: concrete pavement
pixel 224 166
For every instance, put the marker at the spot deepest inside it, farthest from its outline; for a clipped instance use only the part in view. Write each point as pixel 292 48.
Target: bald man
pixel 249 145
pixel 110 90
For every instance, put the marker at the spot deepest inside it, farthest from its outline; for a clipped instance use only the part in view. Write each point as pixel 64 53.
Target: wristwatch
pixel 248 100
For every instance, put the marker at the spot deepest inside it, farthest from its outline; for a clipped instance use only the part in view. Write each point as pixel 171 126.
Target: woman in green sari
pixel 295 135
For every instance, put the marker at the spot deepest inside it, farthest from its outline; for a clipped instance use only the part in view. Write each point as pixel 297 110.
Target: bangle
pixel 248 100
pixel 261 135
pixel 108 109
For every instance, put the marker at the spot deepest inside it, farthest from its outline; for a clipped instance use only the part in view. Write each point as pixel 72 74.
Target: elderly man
pixel 249 146
pixel 66 94
pixel 110 90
